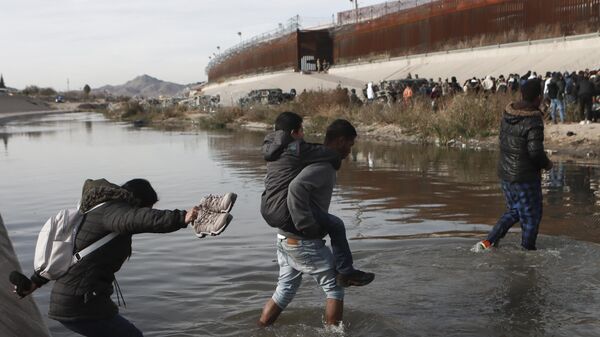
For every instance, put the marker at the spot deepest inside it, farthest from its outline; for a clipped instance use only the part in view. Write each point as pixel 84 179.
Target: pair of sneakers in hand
pixel 214 214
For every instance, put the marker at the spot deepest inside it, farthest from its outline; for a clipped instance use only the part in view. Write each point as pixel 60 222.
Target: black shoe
pixel 357 278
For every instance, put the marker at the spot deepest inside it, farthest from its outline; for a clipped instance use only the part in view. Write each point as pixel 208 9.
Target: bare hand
pixel 192 214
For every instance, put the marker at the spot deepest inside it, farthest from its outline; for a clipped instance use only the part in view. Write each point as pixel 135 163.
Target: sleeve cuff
pixel 38 279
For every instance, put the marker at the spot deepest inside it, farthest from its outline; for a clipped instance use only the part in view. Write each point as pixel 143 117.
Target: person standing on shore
pixel 522 157
pixel 585 93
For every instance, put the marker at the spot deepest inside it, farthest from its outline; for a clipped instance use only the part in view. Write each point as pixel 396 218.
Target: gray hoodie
pixel 285 158
pixel 311 189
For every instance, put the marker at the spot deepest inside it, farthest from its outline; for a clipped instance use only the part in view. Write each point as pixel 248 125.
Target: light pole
pixel 240 35
pixel 355 9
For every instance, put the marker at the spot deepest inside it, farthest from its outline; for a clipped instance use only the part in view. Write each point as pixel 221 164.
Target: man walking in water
pixel 522 158
pixel 312 188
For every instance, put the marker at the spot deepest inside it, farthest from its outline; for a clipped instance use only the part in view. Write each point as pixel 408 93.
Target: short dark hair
pixel 340 128
pixel 288 121
pixel 531 90
pixel 142 191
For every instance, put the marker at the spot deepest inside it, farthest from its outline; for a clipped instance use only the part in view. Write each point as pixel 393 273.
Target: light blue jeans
pixel 560 105
pixel 310 257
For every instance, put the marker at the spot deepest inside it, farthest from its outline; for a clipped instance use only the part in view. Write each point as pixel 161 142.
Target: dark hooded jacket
pixel 84 292
pixel 286 158
pixel 522 155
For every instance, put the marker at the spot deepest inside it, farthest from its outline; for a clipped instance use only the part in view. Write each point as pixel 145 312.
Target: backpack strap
pixel 89 249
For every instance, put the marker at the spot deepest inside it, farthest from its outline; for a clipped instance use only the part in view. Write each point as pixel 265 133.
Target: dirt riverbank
pixel 570 141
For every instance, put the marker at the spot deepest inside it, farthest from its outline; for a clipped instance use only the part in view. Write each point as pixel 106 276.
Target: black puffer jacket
pixel 84 292
pixel 522 155
pixel 286 158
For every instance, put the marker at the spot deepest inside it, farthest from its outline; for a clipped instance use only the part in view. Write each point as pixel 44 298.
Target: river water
pixel 412 213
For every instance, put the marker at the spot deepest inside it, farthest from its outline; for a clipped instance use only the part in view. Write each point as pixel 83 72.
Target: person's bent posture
pixel 305 252
pixel 81 299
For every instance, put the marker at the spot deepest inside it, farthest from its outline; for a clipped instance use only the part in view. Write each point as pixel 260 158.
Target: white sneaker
pixel 481 246
pixel 218 203
pixel 582 123
pixel 211 223
pixel 587 121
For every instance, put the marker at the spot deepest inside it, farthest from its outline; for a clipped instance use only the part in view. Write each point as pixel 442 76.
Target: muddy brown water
pixel 412 213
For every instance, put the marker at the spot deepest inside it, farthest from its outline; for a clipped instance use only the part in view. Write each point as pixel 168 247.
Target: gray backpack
pixel 55 248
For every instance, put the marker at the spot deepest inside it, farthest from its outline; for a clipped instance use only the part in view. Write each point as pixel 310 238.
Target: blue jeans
pixel 339 243
pixel 524 203
pixel 117 326
pixel 310 257
pixel 554 104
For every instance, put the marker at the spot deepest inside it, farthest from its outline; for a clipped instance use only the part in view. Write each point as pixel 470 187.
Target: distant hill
pixel 144 85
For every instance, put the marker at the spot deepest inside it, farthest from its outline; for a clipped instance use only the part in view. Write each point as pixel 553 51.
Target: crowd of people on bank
pixel 560 89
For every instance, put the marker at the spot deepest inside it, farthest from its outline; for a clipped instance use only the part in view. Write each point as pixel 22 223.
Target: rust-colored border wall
pixel 434 26
pixel 277 54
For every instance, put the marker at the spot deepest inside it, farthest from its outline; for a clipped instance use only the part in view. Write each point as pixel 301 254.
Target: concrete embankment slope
pixel 20 317
pixel 570 53
pixel 12 107
pixel 17 103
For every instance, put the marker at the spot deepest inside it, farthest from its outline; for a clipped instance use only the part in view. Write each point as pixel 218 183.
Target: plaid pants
pixel 524 205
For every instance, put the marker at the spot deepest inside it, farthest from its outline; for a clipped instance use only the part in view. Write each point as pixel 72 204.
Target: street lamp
pixel 240 35
pixel 355 9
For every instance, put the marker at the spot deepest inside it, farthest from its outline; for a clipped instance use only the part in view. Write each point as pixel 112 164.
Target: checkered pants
pixel 524 205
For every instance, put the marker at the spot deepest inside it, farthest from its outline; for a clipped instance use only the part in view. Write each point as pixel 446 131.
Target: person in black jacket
pixel 522 157
pixel 585 93
pixel 81 299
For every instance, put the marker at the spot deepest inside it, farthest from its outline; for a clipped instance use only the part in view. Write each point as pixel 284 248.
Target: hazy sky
pixel 102 42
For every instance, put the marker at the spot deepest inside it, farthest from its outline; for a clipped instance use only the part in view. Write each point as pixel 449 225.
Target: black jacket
pixel 522 155
pixel 286 158
pixel 84 292
pixel 585 88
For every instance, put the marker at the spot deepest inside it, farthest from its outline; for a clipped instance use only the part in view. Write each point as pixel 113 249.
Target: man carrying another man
pixel 301 249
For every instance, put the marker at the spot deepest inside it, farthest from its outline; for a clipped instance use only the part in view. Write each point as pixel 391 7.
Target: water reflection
pixel 392 189
pixel 409 205
pixel 522 307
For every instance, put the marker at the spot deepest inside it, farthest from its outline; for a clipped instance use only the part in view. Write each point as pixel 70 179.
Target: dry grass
pixel 459 117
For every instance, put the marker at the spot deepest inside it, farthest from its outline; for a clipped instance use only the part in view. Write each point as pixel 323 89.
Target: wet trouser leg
pixel 339 242
pixel 524 205
pixel 117 326
pixel 508 219
pixel 530 211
